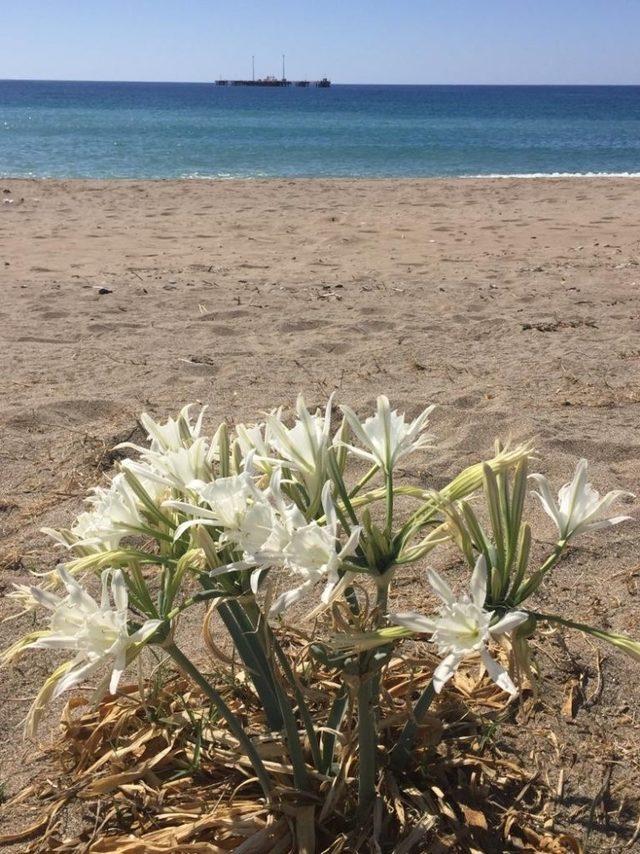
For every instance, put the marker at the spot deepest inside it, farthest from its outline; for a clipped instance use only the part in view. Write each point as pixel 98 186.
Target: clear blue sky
pixel 351 41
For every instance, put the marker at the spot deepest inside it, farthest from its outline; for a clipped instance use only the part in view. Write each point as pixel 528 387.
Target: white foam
pixel 224 176
pixel 244 176
pixel 247 176
pixel 557 175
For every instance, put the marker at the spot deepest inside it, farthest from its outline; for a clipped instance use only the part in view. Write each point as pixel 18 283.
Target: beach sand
pixel 514 305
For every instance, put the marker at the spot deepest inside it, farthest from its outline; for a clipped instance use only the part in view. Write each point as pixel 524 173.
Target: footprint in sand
pixel 74 412
pixel 300 325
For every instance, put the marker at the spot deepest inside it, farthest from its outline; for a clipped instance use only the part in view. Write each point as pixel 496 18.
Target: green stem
pixel 382 595
pixel 380 492
pixel 571 624
pixel 531 584
pixel 363 481
pixel 622 642
pixel 338 481
pixel 367 742
pixel 401 753
pixel 389 524
pixel 330 736
pixel 233 723
pixel 368 702
pixel 439 535
pixel 136 580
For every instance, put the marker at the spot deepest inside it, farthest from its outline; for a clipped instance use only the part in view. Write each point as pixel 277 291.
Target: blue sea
pixel 178 130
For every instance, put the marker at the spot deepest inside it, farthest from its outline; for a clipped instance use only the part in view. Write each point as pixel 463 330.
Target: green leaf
pixel 495 513
pixel 222 436
pixel 336 477
pixel 624 643
pixel 250 649
pixel 517 506
pixel 145 498
pixel 478 536
pixel 522 560
pixel 330 736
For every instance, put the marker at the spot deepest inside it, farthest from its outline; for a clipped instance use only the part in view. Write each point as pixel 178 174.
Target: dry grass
pixel 152 770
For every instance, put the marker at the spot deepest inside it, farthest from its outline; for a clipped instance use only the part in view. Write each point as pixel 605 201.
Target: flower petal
pixel 414 621
pixel 192 523
pixel 119 591
pixel 603 523
pixel 255 578
pixel 78 595
pixel 44 597
pixel 329 509
pixel 75 677
pixel 145 631
pixel 54 641
pixel 478 583
pixel 445 670
pixel 546 498
pixel 289 597
pixel 119 667
pixel 190 509
pixel 357 429
pixel 441 587
pixel 509 622
pixel 497 673
pixel 237 566
pixel 351 545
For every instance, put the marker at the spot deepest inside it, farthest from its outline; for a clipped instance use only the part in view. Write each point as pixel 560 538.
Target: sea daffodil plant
pixel 275 525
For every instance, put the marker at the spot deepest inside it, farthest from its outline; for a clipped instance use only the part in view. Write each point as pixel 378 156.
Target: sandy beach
pixel 514 305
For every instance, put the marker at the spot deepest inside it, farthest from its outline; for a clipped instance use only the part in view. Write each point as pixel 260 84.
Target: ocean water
pixel 172 130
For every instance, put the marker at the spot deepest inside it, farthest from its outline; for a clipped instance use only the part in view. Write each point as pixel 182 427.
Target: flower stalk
pixel 367 744
pixel 402 750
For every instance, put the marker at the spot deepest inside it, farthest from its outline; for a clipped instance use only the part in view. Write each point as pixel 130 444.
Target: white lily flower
pixel 258 523
pixel 463 627
pixel 253 444
pixel 23 595
pixel 287 519
pixel 387 436
pixel 175 433
pixel 314 553
pixel 234 504
pixel 579 507
pixel 303 447
pixel 97 633
pixel 253 438
pixel 173 468
pixel 115 513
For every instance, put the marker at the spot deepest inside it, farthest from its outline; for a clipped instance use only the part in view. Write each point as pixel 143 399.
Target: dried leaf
pixel 474 817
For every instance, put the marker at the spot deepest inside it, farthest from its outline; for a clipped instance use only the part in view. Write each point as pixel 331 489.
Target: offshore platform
pixel 275 82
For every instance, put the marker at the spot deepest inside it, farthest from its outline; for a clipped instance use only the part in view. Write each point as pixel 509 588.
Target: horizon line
pixel 370 83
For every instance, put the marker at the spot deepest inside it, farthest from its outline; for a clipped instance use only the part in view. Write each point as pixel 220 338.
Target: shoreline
pixel 497 176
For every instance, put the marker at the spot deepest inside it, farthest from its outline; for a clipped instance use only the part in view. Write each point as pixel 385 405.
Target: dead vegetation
pixel 152 770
